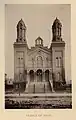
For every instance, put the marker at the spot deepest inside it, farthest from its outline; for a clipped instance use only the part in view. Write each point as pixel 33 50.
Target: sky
pixel 38 19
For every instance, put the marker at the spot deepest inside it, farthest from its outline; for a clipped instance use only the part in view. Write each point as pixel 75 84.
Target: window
pixel 32 62
pixel 47 62
pixel 38 42
pixel 39 61
pixel 20 33
pixel 23 33
pixel 20 59
pixel 21 62
pixel 57 31
pixel 60 63
pixel 58 76
pixel 57 62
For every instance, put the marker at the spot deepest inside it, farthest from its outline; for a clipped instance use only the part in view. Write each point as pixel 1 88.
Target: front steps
pixel 39 87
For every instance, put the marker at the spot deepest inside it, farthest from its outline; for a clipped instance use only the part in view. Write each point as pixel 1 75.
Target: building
pixel 39 69
pixel 8 83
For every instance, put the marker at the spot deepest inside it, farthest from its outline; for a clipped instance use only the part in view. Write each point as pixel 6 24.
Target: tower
pixel 58 55
pixel 20 52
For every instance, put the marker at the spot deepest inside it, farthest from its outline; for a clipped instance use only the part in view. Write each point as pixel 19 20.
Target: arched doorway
pixel 31 75
pixel 39 75
pixel 47 75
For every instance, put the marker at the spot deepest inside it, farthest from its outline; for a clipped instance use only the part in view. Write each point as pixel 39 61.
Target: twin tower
pixel 39 69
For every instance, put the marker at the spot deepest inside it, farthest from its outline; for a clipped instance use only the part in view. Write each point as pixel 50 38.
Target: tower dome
pixel 56 30
pixel 57 22
pixel 21 31
pixel 21 24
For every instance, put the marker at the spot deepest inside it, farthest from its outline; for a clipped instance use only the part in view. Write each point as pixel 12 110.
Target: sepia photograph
pixel 38 56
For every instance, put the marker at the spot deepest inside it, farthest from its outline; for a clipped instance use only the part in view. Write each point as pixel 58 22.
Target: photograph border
pixel 55 114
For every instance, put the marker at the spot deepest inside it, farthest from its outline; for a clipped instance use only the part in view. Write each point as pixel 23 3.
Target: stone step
pixel 47 88
pixel 39 88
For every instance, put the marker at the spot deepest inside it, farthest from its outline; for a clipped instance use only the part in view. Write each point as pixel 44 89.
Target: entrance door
pixel 47 75
pixel 31 76
pixel 39 75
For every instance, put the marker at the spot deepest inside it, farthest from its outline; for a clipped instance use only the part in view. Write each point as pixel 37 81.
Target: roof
pixel 57 21
pixel 39 38
pixel 21 22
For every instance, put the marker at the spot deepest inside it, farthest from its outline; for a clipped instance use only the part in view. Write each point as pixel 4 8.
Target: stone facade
pixel 39 69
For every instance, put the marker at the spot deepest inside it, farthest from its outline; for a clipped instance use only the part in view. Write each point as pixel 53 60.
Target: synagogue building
pixel 39 69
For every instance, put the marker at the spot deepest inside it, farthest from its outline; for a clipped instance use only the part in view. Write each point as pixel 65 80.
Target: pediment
pixel 39 50
pixel 36 53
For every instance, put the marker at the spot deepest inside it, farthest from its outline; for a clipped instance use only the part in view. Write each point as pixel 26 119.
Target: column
pixel 27 82
pixel 60 32
pixel 50 76
pixel 44 80
pixel 35 76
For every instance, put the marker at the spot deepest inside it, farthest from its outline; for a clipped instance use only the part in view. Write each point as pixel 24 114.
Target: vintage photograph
pixel 38 56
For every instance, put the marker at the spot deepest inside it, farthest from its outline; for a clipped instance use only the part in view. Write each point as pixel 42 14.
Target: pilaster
pixel 43 76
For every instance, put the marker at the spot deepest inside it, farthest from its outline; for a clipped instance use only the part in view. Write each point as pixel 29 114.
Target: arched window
pixel 20 31
pixel 58 76
pixel 47 62
pixel 39 61
pixel 32 62
pixel 23 33
pixel 20 59
pixel 57 62
pixel 40 41
pixel 20 76
pixel 60 62
pixel 22 62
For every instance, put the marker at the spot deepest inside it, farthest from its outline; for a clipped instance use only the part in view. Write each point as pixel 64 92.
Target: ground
pixel 38 101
